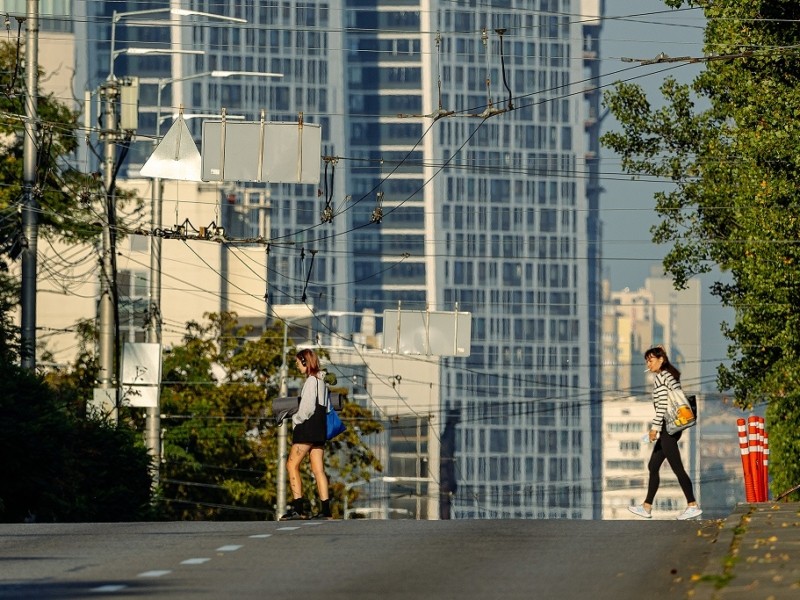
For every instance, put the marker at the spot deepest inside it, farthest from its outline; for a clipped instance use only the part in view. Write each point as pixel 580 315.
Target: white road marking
pixel 108 588
pixel 195 561
pixel 192 561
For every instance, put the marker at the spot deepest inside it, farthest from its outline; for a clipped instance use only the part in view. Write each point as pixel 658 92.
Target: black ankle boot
pixel 325 510
pixel 295 512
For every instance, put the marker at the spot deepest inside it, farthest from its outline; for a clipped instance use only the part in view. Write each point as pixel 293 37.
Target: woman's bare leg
pixel 296 455
pixel 318 469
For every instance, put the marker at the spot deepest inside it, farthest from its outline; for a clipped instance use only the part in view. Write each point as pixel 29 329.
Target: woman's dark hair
pixel 309 359
pixel 659 352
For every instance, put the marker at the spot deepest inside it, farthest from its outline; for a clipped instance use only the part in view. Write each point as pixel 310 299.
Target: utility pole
pixel 153 413
pixel 30 206
pixel 109 91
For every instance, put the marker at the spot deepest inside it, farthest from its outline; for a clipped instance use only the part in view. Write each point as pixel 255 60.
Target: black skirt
pixel 314 430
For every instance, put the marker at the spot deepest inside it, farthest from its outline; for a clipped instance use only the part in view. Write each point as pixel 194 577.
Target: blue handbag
pixel 334 425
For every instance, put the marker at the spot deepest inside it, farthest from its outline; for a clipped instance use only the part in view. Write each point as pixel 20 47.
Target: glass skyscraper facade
pixel 463 140
pixel 489 206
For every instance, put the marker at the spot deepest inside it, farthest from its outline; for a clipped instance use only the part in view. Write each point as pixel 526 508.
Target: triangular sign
pixel 175 157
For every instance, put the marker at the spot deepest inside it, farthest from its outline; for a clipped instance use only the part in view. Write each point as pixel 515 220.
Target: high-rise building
pixel 462 144
pixel 475 133
pixel 516 243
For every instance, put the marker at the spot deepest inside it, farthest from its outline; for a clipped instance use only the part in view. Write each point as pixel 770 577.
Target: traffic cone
pixel 744 450
pixel 766 466
pixel 762 497
pixel 752 444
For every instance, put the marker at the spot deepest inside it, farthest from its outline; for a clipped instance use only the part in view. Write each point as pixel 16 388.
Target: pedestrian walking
pixel 308 438
pixel 666 445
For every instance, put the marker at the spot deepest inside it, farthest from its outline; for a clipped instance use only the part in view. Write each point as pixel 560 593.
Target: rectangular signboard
pixel 276 152
pixel 427 332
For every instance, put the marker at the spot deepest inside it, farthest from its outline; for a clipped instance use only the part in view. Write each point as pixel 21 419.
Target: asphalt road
pixel 599 560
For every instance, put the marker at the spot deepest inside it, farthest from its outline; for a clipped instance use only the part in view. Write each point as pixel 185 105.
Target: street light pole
pixel 282 431
pixel 110 90
pixel 107 327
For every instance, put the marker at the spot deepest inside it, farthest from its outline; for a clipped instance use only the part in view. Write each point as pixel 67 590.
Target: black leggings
pixel 666 447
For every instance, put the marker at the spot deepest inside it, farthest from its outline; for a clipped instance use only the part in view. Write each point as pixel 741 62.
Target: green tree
pixel 75 383
pixel 68 200
pixel 58 467
pixel 63 193
pixel 220 441
pixel 735 197
pixel 58 126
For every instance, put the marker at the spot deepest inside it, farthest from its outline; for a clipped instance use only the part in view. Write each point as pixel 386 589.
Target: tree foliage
pixel 220 442
pixel 735 196
pixel 62 193
pixel 58 467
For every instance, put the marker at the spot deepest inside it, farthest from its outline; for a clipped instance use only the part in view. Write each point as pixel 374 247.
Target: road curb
pixel 715 571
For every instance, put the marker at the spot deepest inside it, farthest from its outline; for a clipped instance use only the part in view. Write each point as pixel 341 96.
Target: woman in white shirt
pixel 666 445
pixel 308 438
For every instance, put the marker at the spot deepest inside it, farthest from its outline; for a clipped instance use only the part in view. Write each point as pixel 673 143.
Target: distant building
pixel 655 314
pixel 198 277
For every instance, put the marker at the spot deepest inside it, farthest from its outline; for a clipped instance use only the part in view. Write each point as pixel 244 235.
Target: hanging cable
pixel 485 42
pixel 377 214
pixel 17 61
pixel 440 112
pixel 308 277
pixel 490 109
pixel 327 212
pixel 510 105
pixel 266 279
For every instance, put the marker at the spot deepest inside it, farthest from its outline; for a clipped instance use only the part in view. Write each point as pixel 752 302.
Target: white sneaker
pixel 691 512
pixel 640 511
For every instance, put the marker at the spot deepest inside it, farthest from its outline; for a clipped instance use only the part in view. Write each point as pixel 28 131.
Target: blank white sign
pixel 427 332
pixel 277 152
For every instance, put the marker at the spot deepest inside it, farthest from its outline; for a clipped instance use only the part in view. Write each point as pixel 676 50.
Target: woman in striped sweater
pixel 666 445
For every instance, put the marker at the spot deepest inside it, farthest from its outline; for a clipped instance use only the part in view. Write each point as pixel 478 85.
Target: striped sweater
pixel 662 382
